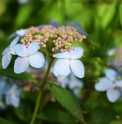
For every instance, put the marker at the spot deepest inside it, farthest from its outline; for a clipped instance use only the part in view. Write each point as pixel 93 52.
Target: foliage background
pixel 102 19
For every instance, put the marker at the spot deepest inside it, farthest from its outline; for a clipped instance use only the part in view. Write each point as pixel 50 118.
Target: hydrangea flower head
pixel 111 84
pixel 12 95
pixel 28 56
pixel 7 53
pixel 68 61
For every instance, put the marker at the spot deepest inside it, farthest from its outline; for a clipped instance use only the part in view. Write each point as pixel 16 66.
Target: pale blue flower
pixel 78 26
pixel 19 33
pixel 68 61
pixel 111 84
pixel 12 95
pixel 2 86
pixel 72 82
pixel 7 53
pixel 28 56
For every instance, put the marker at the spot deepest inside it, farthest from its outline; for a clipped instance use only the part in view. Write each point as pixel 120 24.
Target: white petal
pixel 76 53
pixel 37 60
pixel 13 50
pixel 104 84
pixel 14 42
pixel 21 64
pixel 75 83
pixel 21 32
pixel 62 67
pixel 119 83
pixel 6 60
pixel 111 74
pixel 6 50
pixel 21 50
pixel 15 101
pixel 77 68
pixel 63 81
pixel 113 94
pixel 33 48
pixel 63 55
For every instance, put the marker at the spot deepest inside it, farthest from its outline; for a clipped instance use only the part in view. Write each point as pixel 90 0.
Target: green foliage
pixel 3 121
pixel 67 100
pixel 23 76
pixel 57 116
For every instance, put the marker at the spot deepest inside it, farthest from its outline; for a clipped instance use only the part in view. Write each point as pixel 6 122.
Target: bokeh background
pixel 101 19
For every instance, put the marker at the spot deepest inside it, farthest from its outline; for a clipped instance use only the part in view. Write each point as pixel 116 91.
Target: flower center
pixel 28 55
pixel 116 87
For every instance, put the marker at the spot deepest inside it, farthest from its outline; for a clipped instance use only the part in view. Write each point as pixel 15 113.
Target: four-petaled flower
pixel 111 84
pixel 12 96
pixel 69 61
pixel 28 56
pixel 7 53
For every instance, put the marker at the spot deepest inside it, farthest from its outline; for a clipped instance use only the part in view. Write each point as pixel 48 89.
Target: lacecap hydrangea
pixel 35 45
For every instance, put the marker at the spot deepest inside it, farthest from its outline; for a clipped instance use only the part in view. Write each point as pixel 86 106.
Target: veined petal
pixel 33 48
pixel 13 50
pixel 62 67
pixel 113 94
pixel 111 74
pixel 6 50
pixel 6 60
pixel 21 32
pixel 21 50
pixel 103 85
pixel 64 55
pixel 77 68
pixel 14 42
pixel 76 53
pixel 20 65
pixel 37 60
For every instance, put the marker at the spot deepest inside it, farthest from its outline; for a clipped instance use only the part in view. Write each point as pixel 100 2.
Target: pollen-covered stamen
pixel 116 87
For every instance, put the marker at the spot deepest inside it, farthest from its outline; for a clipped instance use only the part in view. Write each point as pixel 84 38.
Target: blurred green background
pixel 101 19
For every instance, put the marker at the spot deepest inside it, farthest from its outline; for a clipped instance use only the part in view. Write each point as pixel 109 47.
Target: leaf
pixel 23 111
pixel 23 76
pixel 23 14
pixel 99 116
pixel 120 14
pixel 68 101
pixel 58 116
pixel 3 121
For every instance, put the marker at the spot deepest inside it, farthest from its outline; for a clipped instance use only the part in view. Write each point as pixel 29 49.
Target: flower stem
pixel 40 92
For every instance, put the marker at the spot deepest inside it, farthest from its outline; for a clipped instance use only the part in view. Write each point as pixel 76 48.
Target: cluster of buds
pixel 53 37
pixel 61 38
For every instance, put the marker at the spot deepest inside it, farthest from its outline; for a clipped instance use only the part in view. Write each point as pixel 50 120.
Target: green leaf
pixel 23 76
pixel 3 121
pixel 23 111
pixel 120 14
pixel 58 116
pixel 101 116
pixel 68 101
pixel 23 14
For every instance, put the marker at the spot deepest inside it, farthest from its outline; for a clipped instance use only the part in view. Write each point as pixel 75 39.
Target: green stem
pixel 40 92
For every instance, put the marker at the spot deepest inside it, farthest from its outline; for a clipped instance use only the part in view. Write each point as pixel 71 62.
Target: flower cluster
pixel 112 84
pixel 10 92
pixel 52 36
pixel 72 82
